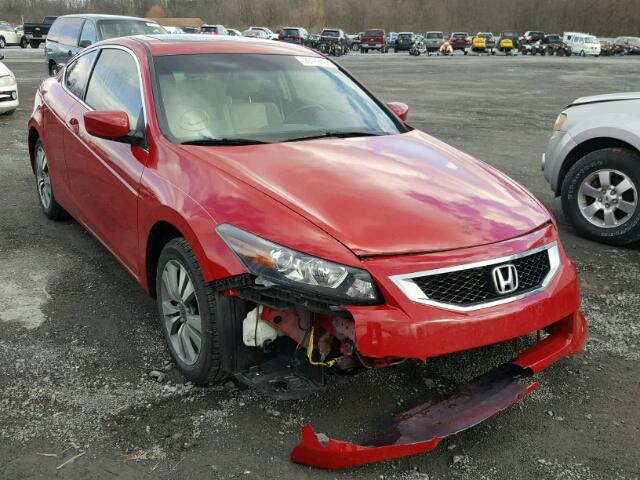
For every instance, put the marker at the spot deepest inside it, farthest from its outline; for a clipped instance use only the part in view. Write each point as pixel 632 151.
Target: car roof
pixel 170 44
pixel 97 16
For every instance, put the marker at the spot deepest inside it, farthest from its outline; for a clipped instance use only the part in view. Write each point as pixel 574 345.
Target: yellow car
pixel 508 42
pixel 483 42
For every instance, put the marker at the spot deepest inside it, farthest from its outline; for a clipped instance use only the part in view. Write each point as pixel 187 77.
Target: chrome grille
pixel 473 286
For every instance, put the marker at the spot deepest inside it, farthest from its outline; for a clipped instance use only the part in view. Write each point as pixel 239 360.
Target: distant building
pixel 180 22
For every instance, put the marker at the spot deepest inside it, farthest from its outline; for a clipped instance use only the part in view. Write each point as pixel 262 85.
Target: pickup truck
pixel 36 33
pixel 374 39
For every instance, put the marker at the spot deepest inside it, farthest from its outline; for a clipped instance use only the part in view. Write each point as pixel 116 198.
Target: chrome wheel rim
pixel 42 178
pixel 607 198
pixel 181 312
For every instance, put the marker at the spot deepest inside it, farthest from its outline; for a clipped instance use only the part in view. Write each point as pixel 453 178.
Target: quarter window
pixel 77 74
pixel 115 85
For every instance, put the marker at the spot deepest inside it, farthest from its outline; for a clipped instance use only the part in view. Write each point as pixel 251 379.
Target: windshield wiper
pixel 337 134
pixel 222 142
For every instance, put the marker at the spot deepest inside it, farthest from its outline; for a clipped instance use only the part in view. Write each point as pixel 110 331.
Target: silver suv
pixel 593 163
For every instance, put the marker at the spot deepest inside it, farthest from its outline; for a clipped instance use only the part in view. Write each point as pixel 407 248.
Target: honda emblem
pixel 505 279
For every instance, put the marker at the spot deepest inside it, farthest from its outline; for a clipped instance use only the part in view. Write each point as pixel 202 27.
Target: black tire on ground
pixel 207 368
pixel 53 69
pixel 9 112
pixel 24 43
pixel 621 159
pixel 53 211
pixel 363 50
pixel 466 52
pixel 2 43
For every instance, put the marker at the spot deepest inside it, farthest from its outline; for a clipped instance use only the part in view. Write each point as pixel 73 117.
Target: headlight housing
pixel 273 263
pixel 7 81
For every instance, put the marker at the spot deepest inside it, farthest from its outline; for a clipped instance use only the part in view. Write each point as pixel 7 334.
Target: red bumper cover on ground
pixel 421 429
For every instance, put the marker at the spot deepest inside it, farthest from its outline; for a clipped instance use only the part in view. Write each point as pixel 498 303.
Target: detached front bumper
pixel 420 430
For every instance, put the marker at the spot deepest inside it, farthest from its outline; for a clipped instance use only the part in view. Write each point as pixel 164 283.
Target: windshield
pixel 436 35
pixel 126 28
pixel 262 98
pixel 330 33
pixel 459 35
pixel 374 33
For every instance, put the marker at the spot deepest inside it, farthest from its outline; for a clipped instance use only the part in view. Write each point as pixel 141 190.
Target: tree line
pixel 599 17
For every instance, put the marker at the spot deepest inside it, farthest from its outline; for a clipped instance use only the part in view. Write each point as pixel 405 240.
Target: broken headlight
pixel 273 263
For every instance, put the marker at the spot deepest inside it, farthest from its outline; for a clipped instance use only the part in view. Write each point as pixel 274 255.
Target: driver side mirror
pixel 84 43
pixel 110 126
pixel 400 109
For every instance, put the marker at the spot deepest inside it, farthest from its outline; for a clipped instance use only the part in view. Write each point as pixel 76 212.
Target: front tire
pixel 50 207
pixel 2 43
pixel 600 196
pixel 187 309
pixel 24 43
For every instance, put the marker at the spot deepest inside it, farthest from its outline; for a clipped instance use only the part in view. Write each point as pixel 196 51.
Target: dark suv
pixel 404 41
pixel 297 35
pixel 71 33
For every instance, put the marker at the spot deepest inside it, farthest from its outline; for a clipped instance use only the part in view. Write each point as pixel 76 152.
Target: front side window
pixel 88 34
pixel 66 30
pixel 126 28
pixel 77 74
pixel 265 98
pixel 115 85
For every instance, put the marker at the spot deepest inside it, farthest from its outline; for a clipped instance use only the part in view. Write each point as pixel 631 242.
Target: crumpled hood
pixel 397 194
pixel 609 97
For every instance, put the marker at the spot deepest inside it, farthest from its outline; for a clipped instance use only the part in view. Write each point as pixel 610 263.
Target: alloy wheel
pixel 607 198
pixel 42 178
pixel 181 312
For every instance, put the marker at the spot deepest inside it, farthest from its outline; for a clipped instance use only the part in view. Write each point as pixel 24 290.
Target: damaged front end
pixel 296 324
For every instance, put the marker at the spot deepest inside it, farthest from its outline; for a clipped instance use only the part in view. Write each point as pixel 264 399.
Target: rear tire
pixel 50 207
pixel 2 43
pixel 53 69
pixel 34 44
pixel 197 354
pixel 626 162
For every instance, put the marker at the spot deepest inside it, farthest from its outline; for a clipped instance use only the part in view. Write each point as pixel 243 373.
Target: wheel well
pixel 161 234
pixel 33 138
pixel 586 148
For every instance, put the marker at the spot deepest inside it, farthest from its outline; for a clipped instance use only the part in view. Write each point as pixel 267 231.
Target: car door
pixel 105 174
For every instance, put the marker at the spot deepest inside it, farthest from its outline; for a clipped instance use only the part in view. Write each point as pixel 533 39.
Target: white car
pixel 582 44
pixel 8 89
pixel 10 35
pixel 272 36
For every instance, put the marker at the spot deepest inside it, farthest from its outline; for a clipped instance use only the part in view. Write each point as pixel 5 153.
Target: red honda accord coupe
pixel 293 227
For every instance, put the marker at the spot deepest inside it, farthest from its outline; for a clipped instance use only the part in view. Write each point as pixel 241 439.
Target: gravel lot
pixel 78 337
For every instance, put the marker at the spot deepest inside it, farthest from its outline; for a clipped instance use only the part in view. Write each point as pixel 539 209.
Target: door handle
pixel 74 124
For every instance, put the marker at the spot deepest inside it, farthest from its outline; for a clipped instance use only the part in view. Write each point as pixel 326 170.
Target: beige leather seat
pixel 194 106
pixel 246 115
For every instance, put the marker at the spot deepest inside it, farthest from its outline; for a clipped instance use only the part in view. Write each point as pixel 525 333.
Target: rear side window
pixel 115 85
pixel 77 74
pixel 126 28
pixel 66 30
